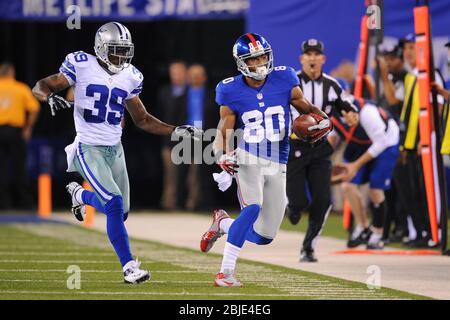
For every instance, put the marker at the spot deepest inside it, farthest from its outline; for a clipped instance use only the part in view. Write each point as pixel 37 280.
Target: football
pixel 338 172
pixel 301 125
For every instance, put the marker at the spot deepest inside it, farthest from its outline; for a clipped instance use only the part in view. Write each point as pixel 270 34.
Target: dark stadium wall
pixel 38 49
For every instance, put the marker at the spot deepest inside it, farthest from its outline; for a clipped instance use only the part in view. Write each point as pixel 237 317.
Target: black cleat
pixel 293 216
pixel 378 245
pixel 362 238
pixel 307 256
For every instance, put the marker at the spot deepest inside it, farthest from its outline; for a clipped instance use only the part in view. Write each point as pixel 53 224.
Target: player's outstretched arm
pixel 145 121
pixel 45 90
pixel 52 84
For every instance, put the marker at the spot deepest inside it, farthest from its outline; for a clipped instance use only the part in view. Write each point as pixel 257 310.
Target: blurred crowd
pixel 407 219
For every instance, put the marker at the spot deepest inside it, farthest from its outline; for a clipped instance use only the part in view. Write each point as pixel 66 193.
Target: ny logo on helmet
pixel 259 47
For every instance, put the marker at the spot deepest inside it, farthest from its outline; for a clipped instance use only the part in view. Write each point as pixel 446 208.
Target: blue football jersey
pixel 262 113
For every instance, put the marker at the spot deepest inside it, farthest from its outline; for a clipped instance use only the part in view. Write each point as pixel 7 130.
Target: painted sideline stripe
pixel 391 252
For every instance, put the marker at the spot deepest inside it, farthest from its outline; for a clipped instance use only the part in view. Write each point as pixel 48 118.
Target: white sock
pixel 225 224
pixel 357 231
pixel 230 255
pixel 374 238
pixel 78 196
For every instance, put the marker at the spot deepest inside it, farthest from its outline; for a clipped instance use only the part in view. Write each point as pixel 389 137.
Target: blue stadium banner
pixel 135 10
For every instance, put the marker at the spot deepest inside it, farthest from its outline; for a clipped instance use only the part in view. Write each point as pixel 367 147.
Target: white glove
pixel 223 179
pixel 323 124
pixel 228 162
pixel 57 103
pixel 187 131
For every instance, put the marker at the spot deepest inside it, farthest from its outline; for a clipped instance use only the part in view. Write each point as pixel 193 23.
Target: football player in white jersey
pixel 104 85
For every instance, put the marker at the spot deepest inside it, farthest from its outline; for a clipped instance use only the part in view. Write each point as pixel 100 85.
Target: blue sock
pixel 117 233
pixel 91 199
pixel 238 230
pixel 256 238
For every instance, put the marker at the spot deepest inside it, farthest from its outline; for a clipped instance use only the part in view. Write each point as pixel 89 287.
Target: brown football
pixel 338 172
pixel 301 125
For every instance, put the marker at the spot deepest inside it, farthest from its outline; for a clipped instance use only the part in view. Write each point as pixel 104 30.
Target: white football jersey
pixel 99 97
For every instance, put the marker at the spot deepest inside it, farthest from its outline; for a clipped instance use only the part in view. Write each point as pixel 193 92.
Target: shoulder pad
pixel 79 58
pixel 136 74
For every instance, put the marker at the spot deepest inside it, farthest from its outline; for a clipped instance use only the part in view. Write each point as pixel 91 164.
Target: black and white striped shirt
pixel 325 93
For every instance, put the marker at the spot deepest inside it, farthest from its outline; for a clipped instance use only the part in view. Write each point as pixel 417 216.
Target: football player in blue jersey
pixel 104 85
pixel 258 102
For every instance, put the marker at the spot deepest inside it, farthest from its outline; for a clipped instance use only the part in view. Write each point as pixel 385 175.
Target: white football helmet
pixel 113 46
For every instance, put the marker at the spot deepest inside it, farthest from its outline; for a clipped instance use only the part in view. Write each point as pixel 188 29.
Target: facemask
pixel 261 70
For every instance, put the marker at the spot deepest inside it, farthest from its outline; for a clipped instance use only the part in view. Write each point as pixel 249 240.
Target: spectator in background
pixel 392 75
pixel 413 187
pixel 445 148
pixel 166 104
pixel 408 44
pixel 193 185
pixel 18 114
pixel 200 109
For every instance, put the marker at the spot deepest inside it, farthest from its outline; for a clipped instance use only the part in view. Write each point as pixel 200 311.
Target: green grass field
pixel 35 259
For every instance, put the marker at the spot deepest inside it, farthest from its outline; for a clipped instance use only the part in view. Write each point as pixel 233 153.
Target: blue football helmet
pixel 252 45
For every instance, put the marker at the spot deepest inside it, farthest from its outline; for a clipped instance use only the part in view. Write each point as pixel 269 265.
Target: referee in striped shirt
pixel 309 165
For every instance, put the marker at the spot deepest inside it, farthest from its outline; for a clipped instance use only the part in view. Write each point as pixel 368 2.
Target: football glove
pixel 57 103
pixel 321 129
pixel 228 162
pixel 187 131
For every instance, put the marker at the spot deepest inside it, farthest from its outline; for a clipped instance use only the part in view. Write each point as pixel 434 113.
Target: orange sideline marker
pixel 44 195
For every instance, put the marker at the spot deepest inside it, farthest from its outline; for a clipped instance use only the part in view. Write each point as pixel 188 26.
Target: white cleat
pixel 226 279
pixel 78 208
pixel 134 275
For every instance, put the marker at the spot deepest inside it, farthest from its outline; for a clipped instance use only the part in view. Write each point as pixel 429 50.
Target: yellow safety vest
pixel 410 112
pixel 445 148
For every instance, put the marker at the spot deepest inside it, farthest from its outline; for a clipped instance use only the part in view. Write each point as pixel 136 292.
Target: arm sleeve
pixel 292 77
pixel 375 128
pixel 68 69
pixel 136 91
pixel 137 83
pixel 221 96
pixel 31 103
pixel 226 94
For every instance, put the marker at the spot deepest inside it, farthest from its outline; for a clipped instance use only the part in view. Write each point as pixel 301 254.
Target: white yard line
pixel 226 294
pixel 92 271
